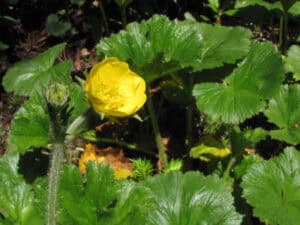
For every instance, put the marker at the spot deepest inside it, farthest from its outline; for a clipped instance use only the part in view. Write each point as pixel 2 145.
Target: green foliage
pixel 284 111
pixel 30 125
pixel 247 161
pixel 78 2
pixel 56 27
pixel 293 59
pixel 24 75
pixel 123 3
pixel 3 46
pixel 142 168
pixel 209 147
pixel 272 188
pixel 100 199
pixel 31 122
pixel 292 6
pixel 160 47
pixel 16 197
pixel 242 93
pixel 174 165
pixel 190 199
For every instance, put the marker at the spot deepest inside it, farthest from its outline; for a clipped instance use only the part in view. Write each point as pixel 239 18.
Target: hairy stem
pixel 54 177
pixel 159 144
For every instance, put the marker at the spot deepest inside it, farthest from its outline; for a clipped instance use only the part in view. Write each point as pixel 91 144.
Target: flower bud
pixel 57 94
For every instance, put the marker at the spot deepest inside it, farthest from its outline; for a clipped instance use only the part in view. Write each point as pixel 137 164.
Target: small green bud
pixel 57 94
pixel 141 169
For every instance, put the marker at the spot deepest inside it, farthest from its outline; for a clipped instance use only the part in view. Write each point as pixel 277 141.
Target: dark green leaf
pixel 242 94
pixel 23 76
pixel 273 189
pixel 56 27
pixel 284 111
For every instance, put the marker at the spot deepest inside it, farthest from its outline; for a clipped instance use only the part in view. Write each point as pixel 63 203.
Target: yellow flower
pixel 113 89
pixel 121 166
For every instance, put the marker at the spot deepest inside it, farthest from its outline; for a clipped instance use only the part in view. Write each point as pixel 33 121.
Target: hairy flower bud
pixel 57 94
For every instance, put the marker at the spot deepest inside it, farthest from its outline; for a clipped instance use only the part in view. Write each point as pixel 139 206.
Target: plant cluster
pixel 236 98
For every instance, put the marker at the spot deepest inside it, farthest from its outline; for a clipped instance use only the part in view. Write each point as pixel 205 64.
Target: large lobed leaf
pixel 23 76
pixel 242 93
pixel 16 197
pixel 101 199
pixel 159 46
pixel 273 189
pixel 191 199
pixel 284 111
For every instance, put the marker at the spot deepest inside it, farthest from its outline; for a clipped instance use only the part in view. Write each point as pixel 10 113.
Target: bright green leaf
pixel 242 94
pixel 293 61
pixel 16 197
pixel 23 76
pixel 209 147
pixel 30 125
pixel 273 189
pixel 284 111
pixel 159 46
pixel 191 199
pixel 100 199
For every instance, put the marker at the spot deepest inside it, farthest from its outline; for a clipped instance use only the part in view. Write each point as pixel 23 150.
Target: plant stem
pixel 231 162
pixel 123 16
pixel 54 177
pixel 189 113
pixel 104 17
pixel 116 142
pixel 283 32
pixel 159 144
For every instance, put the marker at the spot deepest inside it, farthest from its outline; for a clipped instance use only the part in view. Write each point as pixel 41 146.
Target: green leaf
pixel 295 8
pixel 30 125
pixel 23 76
pixel 269 6
pixel 78 102
pixel 293 61
pixel 242 94
pixel 78 2
pixel 3 46
pixel 284 111
pixel 56 27
pixel 123 3
pixel 100 199
pixel 190 199
pixel 273 189
pixel 247 161
pixel 209 147
pixel 159 47
pixel 16 197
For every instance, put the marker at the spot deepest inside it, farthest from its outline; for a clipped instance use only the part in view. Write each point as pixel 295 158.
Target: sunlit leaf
pixel 273 188
pixel 242 94
pixel 284 111
pixel 24 75
pixel 159 46
pixel 191 199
